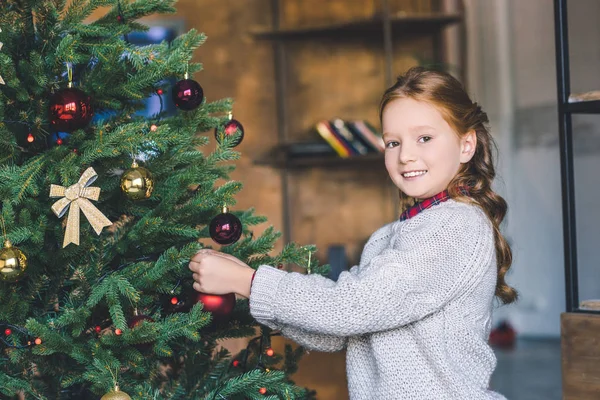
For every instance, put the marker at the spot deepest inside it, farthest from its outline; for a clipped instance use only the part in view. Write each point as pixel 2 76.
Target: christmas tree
pixel 103 207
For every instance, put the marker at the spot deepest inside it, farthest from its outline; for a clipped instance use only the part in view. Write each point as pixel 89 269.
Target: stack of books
pixel 350 138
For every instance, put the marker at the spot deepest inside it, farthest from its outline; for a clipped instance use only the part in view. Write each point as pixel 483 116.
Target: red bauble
pixel 225 228
pixel 70 109
pixel 135 321
pixel 219 306
pixel 230 128
pixel 187 94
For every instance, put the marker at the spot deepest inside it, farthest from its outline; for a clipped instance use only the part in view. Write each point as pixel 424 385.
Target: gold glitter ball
pixel 137 183
pixel 13 263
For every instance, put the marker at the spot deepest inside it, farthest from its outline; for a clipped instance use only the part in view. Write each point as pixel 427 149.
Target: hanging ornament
pixel 231 128
pixel 135 321
pixel 76 197
pixel 218 305
pixel 187 94
pixel 70 108
pixel 13 263
pixel 225 228
pixel 116 394
pixel 137 182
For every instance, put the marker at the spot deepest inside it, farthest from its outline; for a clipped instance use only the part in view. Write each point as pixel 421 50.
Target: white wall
pixel 527 133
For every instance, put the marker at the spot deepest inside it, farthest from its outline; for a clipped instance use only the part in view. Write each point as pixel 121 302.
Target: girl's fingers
pixel 196 277
pixel 197 287
pixel 230 258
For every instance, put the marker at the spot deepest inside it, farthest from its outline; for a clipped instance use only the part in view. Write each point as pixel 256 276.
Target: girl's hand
pixel 220 273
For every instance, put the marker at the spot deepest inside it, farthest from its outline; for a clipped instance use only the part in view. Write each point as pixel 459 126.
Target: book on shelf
pixel 369 134
pixel 350 138
pixel 340 129
pixel 341 148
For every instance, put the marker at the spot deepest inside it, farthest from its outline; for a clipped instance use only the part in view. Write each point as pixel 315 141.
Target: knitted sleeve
pixel 440 258
pixel 311 340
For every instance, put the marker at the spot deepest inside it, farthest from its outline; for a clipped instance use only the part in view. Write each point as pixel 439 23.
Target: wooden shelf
pixel 415 24
pixel 583 107
pixel 374 161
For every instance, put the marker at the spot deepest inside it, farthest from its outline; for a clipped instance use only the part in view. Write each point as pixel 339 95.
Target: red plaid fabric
pixel 425 204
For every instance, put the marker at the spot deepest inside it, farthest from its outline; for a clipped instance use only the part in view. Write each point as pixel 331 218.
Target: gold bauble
pixel 13 263
pixel 116 394
pixel 137 183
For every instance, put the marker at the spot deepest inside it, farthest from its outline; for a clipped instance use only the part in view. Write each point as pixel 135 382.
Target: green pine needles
pixel 79 301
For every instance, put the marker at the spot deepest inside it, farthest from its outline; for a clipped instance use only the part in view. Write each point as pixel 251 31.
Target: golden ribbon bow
pixel 76 197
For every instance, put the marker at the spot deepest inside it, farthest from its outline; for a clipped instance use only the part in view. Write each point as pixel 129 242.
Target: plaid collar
pixel 427 203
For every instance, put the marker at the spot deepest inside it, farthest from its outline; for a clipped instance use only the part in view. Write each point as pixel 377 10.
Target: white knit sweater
pixel 414 315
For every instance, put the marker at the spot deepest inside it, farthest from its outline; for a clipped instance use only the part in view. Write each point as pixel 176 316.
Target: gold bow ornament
pixel 76 197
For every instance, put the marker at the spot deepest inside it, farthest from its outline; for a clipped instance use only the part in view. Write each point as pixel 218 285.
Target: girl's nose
pixel 406 154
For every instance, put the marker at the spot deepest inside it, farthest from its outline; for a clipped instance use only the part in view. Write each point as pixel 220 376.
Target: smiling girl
pixel 415 314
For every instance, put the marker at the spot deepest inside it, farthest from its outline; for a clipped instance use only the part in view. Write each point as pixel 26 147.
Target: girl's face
pixel 422 152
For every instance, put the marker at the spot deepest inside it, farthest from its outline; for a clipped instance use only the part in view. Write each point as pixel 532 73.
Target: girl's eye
pixel 424 139
pixel 391 144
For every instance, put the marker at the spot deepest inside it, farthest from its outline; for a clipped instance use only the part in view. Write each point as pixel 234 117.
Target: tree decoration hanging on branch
pixel 78 197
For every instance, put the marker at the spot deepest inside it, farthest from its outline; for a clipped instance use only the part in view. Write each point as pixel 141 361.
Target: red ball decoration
pixel 270 352
pixel 7 332
pixel 229 129
pixel 262 390
pixel 187 94
pixel 236 363
pixel 225 228
pixel 174 300
pixel 218 305
pixel 118 332
pixel 70 109
pixel 98 328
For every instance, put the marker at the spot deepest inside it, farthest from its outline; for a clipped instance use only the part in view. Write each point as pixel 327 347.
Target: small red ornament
pixel 70 109
pixel 118 332
pixel 270 352
pixel 120 18
pixel 38 341
pixel 7 332
pixel 30 138
pixel 59 141
pixel 262 390
pixel 225 228
pixel 187 94
pixel 174 300
pixel 236 363
pixel 230 128
pixel 153 127
pixel 280 266
pixel 98 329
pixel 219 306
pixel 159 92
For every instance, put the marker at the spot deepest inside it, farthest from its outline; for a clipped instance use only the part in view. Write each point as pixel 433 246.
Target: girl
pixel 415 314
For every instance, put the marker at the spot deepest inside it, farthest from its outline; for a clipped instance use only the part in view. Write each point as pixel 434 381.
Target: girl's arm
pixel 312 340
pixel 425 268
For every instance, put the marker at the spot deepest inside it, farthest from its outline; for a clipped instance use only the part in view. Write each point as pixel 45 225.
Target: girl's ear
pixel 468 144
